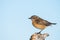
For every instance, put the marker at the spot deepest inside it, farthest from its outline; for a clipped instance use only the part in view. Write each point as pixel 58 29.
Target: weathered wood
pixel 36 36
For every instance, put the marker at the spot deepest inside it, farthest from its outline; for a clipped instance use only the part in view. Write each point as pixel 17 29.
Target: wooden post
pixel 36 36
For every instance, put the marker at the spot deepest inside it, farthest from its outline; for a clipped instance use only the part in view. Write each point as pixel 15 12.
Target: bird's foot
pixel 39 33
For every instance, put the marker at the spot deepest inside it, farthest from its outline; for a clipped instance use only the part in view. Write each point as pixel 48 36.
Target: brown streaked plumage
pixel 40 23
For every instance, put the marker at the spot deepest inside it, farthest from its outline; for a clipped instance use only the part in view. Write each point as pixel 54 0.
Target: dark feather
pixel 44 22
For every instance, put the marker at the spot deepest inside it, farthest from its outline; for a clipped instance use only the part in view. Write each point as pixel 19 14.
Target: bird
pixel 40 23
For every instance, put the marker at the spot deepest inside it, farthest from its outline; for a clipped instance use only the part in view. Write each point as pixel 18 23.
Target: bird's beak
pixel 30 18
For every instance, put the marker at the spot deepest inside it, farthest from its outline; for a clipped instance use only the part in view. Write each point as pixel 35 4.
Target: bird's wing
pixel 39 22
pixel 43 22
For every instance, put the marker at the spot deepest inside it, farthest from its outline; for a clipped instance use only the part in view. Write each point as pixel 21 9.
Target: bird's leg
pixel 40 32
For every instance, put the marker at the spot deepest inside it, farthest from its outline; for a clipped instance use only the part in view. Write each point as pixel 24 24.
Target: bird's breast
pixel 39 26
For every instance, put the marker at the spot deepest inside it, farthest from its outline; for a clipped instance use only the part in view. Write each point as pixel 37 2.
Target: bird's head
pixel 34 17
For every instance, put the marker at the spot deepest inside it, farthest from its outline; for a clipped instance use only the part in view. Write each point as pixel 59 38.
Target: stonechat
pixel 40 23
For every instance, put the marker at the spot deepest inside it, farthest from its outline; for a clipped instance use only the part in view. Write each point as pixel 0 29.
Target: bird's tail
pixel 53 23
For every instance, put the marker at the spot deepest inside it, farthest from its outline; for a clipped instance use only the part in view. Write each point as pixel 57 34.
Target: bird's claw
pixel 39 33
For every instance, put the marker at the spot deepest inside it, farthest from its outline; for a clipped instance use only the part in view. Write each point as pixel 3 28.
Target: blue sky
pixel 15 24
